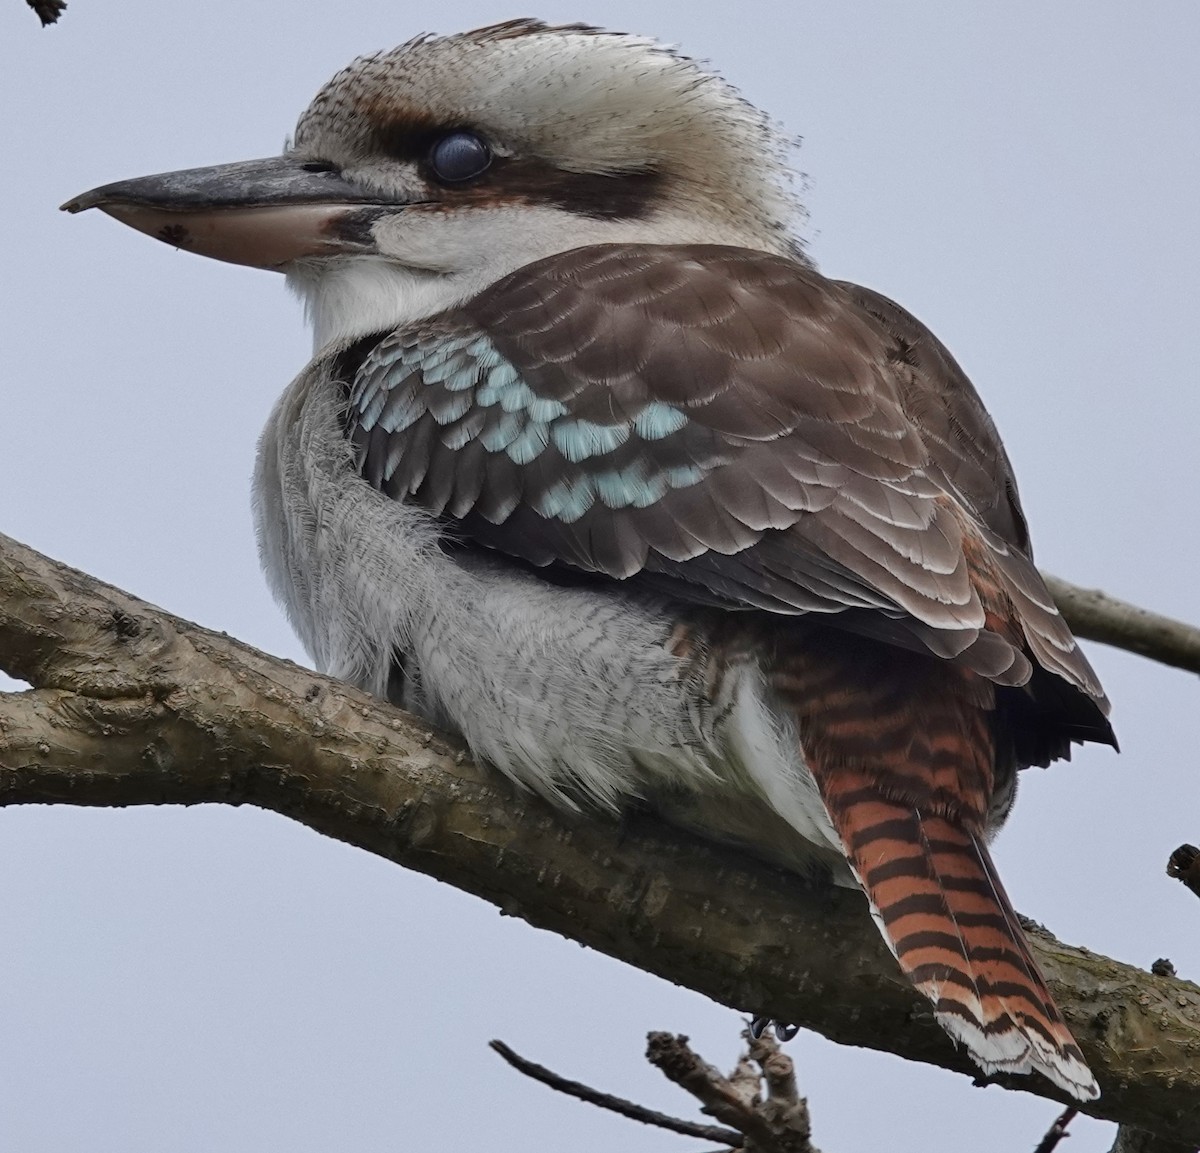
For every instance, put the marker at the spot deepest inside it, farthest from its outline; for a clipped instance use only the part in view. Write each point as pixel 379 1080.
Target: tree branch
pixel 1096 616
pixel 133 706
pixel 47 11
pixel 619 1105
pixel 673 1056
pixel 1184 865
pixel 1130 1140
pixel 778 1123
pixel 1057 1131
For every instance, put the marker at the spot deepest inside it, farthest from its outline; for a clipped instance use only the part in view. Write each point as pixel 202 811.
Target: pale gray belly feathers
pixel 571 692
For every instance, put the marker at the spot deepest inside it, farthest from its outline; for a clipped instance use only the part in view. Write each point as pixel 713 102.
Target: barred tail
pixel 944 913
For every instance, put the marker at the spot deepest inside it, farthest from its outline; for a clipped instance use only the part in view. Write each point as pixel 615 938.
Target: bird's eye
pixel 459 156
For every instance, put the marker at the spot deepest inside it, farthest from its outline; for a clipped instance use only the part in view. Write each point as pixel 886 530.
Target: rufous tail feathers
pixel 944 913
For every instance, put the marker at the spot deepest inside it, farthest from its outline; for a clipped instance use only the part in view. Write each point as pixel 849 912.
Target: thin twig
pixel 1057 1131
pixel 1099 617
pixel 725 1137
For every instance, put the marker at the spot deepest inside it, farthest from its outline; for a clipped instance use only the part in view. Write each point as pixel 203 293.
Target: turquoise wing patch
pixel 436 390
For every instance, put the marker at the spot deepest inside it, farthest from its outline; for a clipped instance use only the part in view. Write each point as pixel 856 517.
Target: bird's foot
pixel 783 1030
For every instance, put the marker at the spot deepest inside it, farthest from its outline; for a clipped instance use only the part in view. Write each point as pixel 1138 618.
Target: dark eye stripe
pixel 459 156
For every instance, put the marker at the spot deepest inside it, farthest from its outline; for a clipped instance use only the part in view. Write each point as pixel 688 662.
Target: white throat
pixel 448 258
pixel 353 296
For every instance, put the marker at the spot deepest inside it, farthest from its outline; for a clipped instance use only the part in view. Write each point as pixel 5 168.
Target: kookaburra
pixel 592 467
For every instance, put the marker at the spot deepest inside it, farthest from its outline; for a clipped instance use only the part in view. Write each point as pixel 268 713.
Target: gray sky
pixel 1022 176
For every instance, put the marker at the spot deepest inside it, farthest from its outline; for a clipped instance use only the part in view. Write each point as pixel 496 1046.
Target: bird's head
pixel 418 176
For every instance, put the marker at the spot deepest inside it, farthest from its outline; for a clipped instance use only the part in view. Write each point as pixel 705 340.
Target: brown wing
pixel 965 449
pixel 735 428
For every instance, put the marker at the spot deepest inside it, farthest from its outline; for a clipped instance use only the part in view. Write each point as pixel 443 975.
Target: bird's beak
pixel 265 213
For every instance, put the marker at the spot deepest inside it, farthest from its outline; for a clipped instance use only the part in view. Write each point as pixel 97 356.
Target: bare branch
pixel 133 706
pixel 47 11
pixel 1184 865
pixel 628 1109
pixel 784 1110
pixel 778 1124
pixel 746 1077
pixel 1099 617
pixel 672 1054
pixel 1130 1140
pixel 1057 1131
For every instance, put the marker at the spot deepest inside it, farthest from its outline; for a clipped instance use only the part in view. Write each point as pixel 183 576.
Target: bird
pixel 593 467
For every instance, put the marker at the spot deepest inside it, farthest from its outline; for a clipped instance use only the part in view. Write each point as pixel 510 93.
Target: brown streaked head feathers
pixel 563 102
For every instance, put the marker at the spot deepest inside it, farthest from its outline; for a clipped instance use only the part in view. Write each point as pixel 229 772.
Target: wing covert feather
pixel 730 426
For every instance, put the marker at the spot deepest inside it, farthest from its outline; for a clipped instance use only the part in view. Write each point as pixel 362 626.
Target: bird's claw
pixel 783 1030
